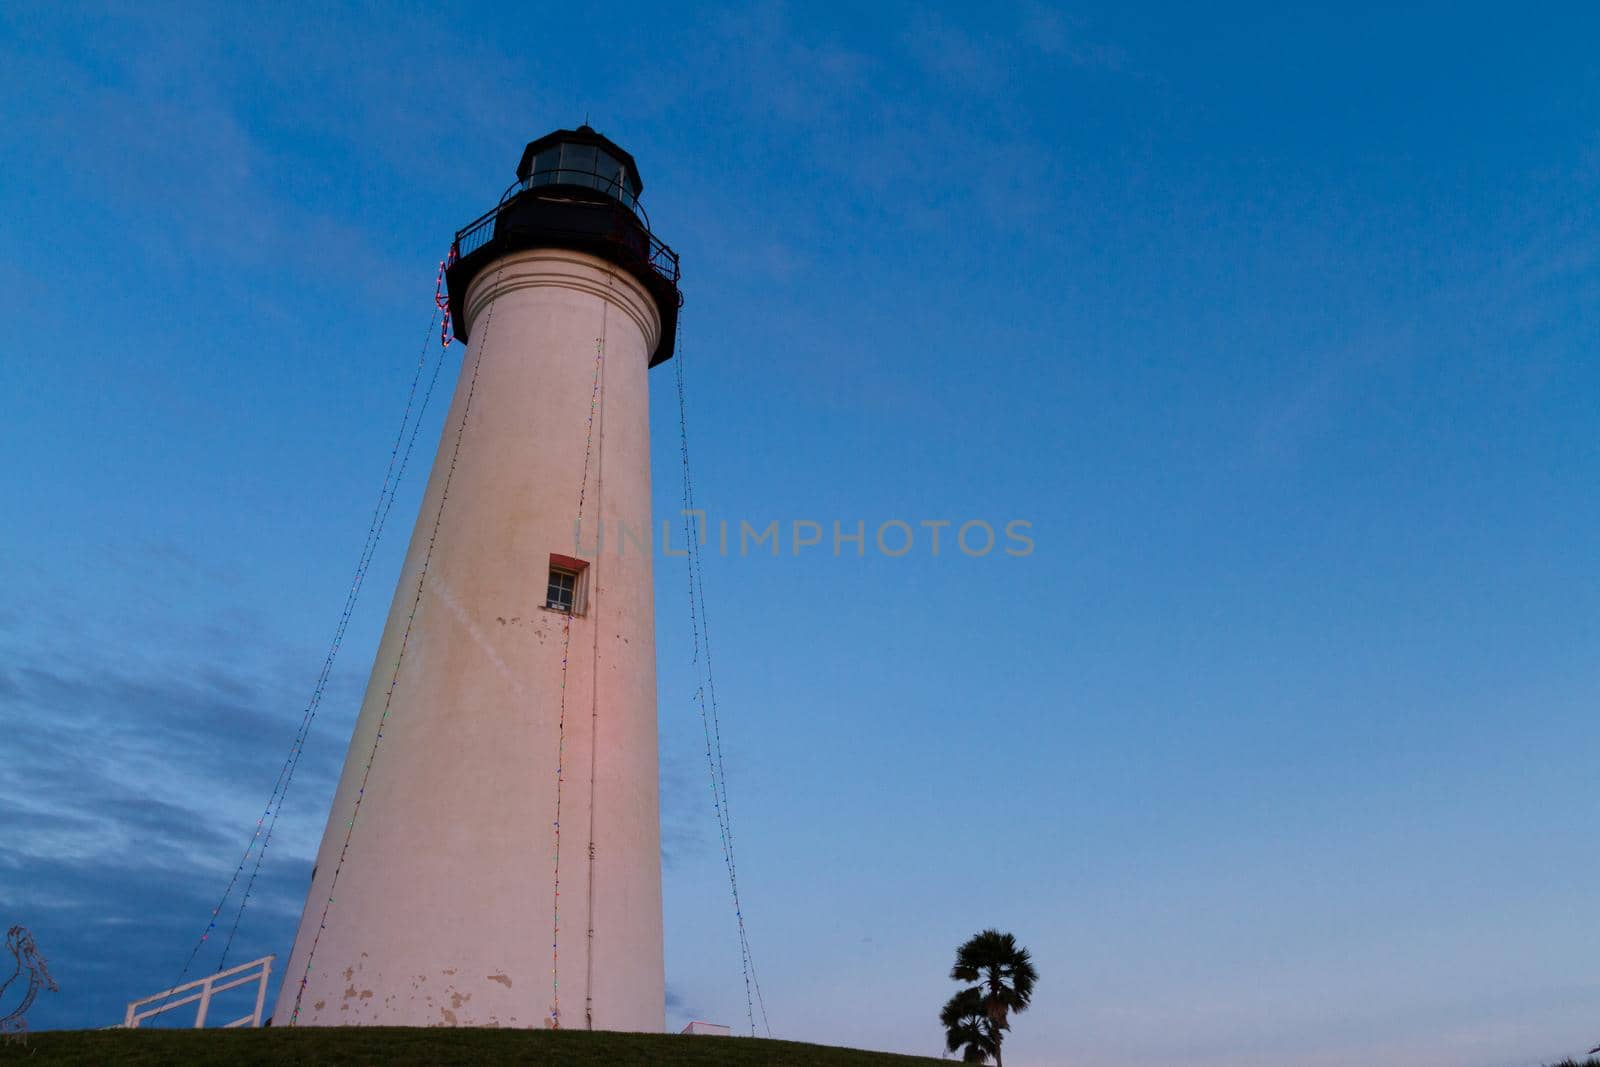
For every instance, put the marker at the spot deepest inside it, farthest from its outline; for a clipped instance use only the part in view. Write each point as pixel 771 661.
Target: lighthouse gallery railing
pixel 480 231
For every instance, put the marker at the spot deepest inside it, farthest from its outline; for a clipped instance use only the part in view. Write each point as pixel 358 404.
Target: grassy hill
pixel 405 1046
pixel 411 1047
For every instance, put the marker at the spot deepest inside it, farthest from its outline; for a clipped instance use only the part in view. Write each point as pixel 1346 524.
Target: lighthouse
pixel 492 856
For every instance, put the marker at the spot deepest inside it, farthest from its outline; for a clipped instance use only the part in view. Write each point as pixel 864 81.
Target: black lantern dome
pixel 584 158
pixel 575 189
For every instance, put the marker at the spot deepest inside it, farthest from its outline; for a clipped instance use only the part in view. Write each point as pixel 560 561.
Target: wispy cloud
pixel 142 122
pixel 1057 34
pixel 139 765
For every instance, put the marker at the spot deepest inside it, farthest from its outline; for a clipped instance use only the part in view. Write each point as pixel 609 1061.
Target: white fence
pixel 202 990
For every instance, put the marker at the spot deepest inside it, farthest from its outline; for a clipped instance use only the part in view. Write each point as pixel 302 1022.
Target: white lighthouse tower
pixel 493 853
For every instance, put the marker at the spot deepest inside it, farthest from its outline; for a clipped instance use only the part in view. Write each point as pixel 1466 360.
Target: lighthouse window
pixel 577 160
pixel 609 173
pixel 546 165
pixel 563 590
pixel 567 589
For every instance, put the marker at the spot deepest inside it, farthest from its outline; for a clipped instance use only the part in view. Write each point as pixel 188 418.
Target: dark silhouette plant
pixel 976 1019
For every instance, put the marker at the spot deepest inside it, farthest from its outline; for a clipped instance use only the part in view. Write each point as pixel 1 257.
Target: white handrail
pixel 204 989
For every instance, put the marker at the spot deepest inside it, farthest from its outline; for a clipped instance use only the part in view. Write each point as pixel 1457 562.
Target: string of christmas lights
pixel 441 301
pixel 405 639
pixel 594 669
pixel 561 720
pixel 274 806
pixel 387 505
pixel 706 698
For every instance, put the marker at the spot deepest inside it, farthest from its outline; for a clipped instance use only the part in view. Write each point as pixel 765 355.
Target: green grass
pixel 414 1046
pixel 444 1046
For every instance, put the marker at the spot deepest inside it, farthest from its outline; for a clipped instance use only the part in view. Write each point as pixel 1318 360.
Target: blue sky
pixel 1279 327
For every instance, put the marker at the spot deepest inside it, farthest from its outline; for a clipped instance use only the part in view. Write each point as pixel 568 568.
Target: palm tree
pixel 975 1019
pixel 966 1027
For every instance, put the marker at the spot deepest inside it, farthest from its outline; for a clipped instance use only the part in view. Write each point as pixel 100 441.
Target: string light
pixel 709 718
pixel 442 301
pixel 594 666
pixel 561 718
pixel 386 496
pixel 405 640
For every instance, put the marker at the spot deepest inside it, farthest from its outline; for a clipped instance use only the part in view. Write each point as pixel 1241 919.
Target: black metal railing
pixel 480 231
pixel 475 234
pixel 663 260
